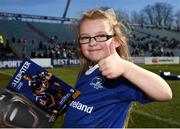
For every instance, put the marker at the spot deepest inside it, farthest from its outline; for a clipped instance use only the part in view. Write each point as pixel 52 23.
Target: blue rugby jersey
pixel 103 102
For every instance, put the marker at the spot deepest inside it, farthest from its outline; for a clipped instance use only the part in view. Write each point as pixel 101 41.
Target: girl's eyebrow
pixel 101 32
pixel 83 34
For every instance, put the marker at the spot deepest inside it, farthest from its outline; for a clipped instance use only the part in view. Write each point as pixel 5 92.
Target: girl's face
pixel 94 50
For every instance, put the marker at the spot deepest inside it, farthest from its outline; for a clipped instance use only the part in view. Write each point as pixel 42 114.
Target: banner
pixel 43 62
pixel 138 60
pixel 50 63
pixel 9 63
pixel 65 62
pixel 162 60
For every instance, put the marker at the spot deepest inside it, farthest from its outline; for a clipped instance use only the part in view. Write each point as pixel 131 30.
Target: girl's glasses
pixel 97 38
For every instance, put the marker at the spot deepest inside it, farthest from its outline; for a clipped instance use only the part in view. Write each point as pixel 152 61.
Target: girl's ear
pixel 116 43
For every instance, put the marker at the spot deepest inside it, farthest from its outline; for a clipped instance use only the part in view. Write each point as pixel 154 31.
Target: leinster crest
pixel 97 82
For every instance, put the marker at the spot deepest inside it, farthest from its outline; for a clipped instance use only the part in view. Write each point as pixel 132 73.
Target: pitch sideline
pixel 6 74
pixel 170 121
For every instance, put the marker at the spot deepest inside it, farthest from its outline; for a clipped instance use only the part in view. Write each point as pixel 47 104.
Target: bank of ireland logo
pixel 97 82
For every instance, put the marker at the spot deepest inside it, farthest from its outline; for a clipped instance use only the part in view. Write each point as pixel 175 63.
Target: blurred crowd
pixel 153 47
pixel 55 49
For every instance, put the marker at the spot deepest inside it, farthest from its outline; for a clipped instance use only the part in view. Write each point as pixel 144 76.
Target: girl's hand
pixel 112 66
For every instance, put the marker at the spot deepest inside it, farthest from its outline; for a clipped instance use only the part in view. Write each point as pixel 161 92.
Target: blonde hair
pixel 122 50
pixel 120 37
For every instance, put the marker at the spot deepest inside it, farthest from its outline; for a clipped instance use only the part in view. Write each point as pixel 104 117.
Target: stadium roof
pixel 57 7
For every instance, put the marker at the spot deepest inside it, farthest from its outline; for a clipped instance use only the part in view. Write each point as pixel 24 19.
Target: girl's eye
pixel 100 36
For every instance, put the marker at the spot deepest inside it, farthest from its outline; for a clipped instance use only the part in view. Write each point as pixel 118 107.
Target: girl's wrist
pixel 127 68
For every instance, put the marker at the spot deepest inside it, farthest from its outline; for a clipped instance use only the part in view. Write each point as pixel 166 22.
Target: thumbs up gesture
pixel 113 65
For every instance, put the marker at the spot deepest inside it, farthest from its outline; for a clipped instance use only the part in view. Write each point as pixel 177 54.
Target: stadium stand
pixel 48 39
pixel 148 41
pixel 25 39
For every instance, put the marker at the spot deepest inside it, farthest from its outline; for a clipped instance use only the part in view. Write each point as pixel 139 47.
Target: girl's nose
pixel 92 42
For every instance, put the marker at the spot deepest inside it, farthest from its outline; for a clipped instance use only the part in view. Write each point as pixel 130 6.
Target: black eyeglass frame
pixel 107 38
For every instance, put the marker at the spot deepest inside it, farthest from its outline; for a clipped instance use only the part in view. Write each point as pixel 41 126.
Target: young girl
pixel 108 81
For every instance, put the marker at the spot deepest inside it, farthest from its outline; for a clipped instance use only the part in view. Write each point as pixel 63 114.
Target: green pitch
pixel 157 114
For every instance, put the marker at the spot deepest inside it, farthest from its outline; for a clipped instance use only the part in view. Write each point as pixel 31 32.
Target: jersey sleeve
pixel 127 91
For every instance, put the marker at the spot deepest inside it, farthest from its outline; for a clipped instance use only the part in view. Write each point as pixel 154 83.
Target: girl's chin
pixel 95 60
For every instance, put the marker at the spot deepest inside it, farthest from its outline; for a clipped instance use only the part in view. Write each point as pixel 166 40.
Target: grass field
pixel 156 114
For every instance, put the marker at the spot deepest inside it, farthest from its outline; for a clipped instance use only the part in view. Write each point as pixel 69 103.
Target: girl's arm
pixel 153 85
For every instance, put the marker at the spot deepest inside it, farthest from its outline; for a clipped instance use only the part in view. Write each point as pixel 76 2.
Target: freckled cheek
pixel 106 47
pixel 83 49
